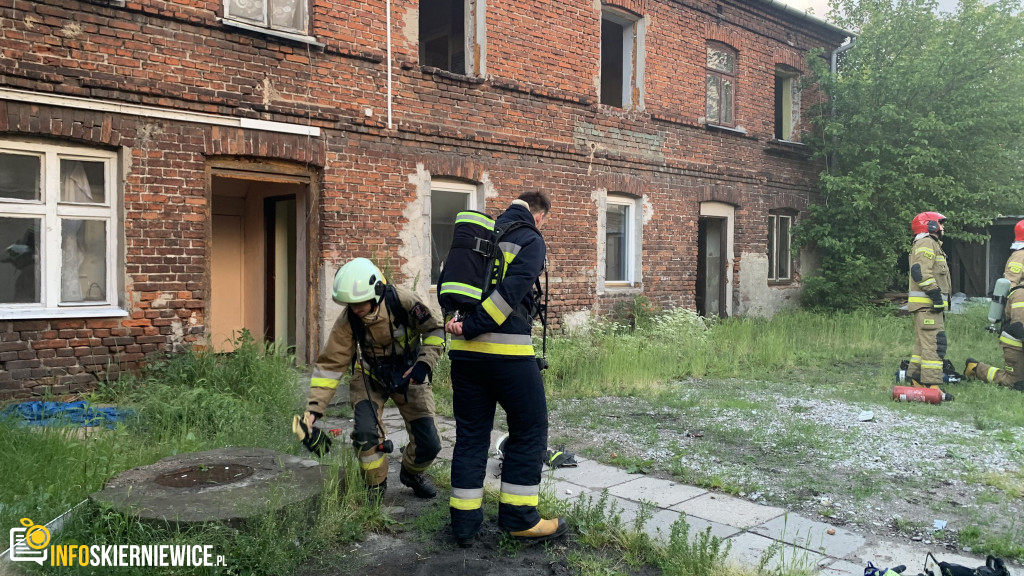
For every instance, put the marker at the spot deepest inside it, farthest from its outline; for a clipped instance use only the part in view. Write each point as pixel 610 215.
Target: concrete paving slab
pixel 807 533
pixel 749 549
pixel 594 475
pixel 912 554
pixel 728 510
pixel 565 491
pixel 659 527
pixel 698 525
pixel 843 568
pixel 664 493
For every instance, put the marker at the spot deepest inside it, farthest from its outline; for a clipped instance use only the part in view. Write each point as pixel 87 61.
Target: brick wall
pixel 532 122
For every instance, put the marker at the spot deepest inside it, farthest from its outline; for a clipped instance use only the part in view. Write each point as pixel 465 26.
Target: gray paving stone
pixel 663 493
pixel 728 510
pixel 911 554
pixel 566 491
pixel 807 533
pixel 593 475
pixel 843 568
pixel 748 550
pixel 659 527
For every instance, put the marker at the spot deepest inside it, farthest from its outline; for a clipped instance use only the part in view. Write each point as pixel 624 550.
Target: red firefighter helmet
pixel 926 222
pixel 1018 232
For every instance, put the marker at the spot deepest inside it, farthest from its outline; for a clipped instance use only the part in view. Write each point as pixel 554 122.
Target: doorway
pixel 712 279
pixel 258 247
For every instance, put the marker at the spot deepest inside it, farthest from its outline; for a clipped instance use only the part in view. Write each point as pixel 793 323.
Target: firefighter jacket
pixel 425 333
pixel 501 325
pixel 1014 311
pixel 928 271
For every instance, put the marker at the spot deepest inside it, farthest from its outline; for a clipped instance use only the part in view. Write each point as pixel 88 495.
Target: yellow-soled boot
pixel 542 531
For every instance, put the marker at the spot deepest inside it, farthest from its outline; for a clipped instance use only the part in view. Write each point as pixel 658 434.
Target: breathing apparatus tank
pixel 995 308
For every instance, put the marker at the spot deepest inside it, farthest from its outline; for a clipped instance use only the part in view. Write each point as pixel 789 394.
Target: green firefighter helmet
pixel 357 281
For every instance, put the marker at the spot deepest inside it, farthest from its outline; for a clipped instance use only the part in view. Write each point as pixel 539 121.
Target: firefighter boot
pixel 970 370
pixel 421 486
pixel 376 493
pixel 542 531
pixel 1018 386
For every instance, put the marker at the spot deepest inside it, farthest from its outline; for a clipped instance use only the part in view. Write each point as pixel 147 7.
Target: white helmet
pixel 358 281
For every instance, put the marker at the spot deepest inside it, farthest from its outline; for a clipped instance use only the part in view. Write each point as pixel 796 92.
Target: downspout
pixel 833 69
pixel 388 8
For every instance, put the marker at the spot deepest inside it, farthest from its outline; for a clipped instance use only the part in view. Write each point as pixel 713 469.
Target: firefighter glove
pixel 314 439
pixel 936 295
pixel 420 373
pixel 1015 329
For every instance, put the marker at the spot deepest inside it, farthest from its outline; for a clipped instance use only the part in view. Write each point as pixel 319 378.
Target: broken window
pixel 284 15
pixel 787 103
pixel 622 236
pixel 721 85
pixel 447 199
pixel 621 35
pixel 443 34
pixel 56 212
pixel 779 240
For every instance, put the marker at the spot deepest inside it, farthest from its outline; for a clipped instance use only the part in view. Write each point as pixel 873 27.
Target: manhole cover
pixel 204 475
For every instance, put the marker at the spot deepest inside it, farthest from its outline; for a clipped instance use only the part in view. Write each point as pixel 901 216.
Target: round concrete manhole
pixel 204 475
pixel 224 485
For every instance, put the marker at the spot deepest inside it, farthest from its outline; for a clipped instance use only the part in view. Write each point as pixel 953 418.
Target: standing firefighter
pixel 378 337
pixel 1011 337
pixel 927 298
pixel 493 362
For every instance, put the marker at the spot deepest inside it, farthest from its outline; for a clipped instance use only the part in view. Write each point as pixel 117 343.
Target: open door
pixel 712 275
pixel 257 258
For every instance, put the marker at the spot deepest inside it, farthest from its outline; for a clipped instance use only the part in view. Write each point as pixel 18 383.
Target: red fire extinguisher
pixel 918 394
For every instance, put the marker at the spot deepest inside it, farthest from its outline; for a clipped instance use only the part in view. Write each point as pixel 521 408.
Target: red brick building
pixel 173 171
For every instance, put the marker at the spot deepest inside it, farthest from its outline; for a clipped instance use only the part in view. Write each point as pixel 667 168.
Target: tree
pixel 926 112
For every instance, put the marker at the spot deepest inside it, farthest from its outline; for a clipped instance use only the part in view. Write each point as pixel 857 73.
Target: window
pixel 447 199
pixel 787 103
pixel 284 15
pixel 621 240
pixel 57 236
pixel 721 85
pixel 443 35
pixel 621 58
pixel 779 257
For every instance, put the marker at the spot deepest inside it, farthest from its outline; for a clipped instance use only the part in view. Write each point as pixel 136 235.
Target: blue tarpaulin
pixel 78 413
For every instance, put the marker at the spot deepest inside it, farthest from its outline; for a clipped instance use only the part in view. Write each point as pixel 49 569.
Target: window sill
pixel 294 37
pixel 788 148
pixel 780 283
pixel 69 312
pixel 467 78
pixel 738 130
pixel 621 287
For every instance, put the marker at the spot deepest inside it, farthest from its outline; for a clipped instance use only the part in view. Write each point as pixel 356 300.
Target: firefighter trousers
pixel 1013 372
pixel 417 408
pixel 929 347
pixel 478 385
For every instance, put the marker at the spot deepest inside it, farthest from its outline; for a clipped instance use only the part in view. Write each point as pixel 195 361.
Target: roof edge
pixel 806 16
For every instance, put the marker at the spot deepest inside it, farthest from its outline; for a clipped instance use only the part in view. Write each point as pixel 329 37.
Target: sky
pixel 820 7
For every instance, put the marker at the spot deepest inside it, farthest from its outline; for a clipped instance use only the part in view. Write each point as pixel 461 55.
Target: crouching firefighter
pixel 927 299
pixel 493 362
pixel 390 342
pixel 1011 334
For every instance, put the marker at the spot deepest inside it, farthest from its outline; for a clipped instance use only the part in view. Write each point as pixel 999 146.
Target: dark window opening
pixel 443 35
pixel 611 63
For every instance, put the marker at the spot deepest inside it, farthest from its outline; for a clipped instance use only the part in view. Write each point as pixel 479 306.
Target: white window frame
pixel 775 255
pixel 265 23
pixel 472 191
pixel 632 237
pixel 790 109
pixel 632 61
pixel 49 209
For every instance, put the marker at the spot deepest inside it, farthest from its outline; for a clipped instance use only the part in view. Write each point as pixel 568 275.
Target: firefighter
pixel 928 298
pixel 493 363
pixel 377 337
pixel 1012 335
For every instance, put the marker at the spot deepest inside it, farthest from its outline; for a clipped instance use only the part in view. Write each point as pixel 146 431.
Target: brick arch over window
pixel 731 195
pixel 720 35
pixel 788 201
pixel 637 8
pixel 455 167
pixel 622 183
pixel 790 59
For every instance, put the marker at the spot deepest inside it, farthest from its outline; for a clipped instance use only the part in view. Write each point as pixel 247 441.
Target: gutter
pixel 779 5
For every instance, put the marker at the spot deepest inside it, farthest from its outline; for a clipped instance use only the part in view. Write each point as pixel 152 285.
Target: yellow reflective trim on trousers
pixel 917 300
pixel 323 383
pixel 416 467
pixel 372 461
pixel 1005 338
pixel 927 282
pixel 492 348
pixel 492 310
pixel 518 500
pixel 465 504
pixel 1017 305
pixel 990 376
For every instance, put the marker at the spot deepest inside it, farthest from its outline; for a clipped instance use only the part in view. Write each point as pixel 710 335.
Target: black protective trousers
pixel 479 384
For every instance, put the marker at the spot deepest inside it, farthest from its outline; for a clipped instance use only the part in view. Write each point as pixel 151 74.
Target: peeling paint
pixel 415 236
pixel 72 30
pixel 756 298
pixel 576 323
pixel 647 209
pixel 269 92
pixel 411 26
pixel 617 141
